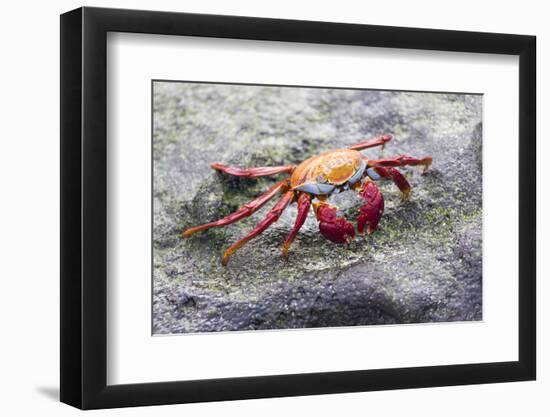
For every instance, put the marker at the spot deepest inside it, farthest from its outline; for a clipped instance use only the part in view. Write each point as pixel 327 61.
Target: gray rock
pixel 422 265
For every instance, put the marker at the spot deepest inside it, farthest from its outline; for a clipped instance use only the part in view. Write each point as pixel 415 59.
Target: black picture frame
pixel 84 207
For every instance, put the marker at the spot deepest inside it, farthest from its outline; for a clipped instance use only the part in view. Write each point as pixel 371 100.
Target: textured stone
pixel 422 265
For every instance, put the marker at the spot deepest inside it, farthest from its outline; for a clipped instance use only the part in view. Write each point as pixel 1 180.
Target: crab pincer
pixel 334 228
pixel 371 211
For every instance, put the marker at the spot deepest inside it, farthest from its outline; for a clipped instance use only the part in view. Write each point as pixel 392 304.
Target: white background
pixel 29 214
pixel 133 60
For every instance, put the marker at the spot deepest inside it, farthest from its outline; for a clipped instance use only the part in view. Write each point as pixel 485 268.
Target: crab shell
pixel 323 174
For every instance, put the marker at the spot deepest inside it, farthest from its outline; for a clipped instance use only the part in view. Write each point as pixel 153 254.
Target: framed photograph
pixel 257 207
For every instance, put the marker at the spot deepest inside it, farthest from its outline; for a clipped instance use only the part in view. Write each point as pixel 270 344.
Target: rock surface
pixel 424 264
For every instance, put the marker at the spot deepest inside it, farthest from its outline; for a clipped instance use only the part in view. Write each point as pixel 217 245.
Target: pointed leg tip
pixel 427 165
pixel 285 251
pixel 192 230
pixel 225 257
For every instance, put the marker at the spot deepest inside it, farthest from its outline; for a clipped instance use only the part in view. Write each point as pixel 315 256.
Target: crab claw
pixel 371 211
pixel 333 228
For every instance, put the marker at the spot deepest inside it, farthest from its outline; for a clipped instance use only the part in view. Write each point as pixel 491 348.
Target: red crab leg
pixel 271 217
pixel 336 229
pixel 397 177
pixel 252 172
pixel 402 160
pixel 371 143
pixel 304 203
pixel 244 211
pixel 371 211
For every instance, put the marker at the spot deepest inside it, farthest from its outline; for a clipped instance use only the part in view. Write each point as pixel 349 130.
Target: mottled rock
pixel 422 265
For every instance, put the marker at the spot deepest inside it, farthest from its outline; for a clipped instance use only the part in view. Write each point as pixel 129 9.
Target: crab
pixel 311 183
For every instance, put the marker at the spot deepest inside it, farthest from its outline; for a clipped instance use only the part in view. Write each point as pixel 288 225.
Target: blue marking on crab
pixel 371 172
pixel 316 188
pixel 359 173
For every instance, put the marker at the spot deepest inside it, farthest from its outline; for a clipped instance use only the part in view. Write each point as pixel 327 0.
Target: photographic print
pixel 285 207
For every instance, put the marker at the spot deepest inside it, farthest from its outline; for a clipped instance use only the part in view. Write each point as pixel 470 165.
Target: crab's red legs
pixel 371 143
pixel 397 177
pixel 371 211
pixel 304 203
pixel 245 211
pixel 400 161
pixel 252 172
pixel 271 217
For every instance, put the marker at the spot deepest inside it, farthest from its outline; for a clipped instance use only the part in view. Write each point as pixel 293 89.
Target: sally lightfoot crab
pixel 316 179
